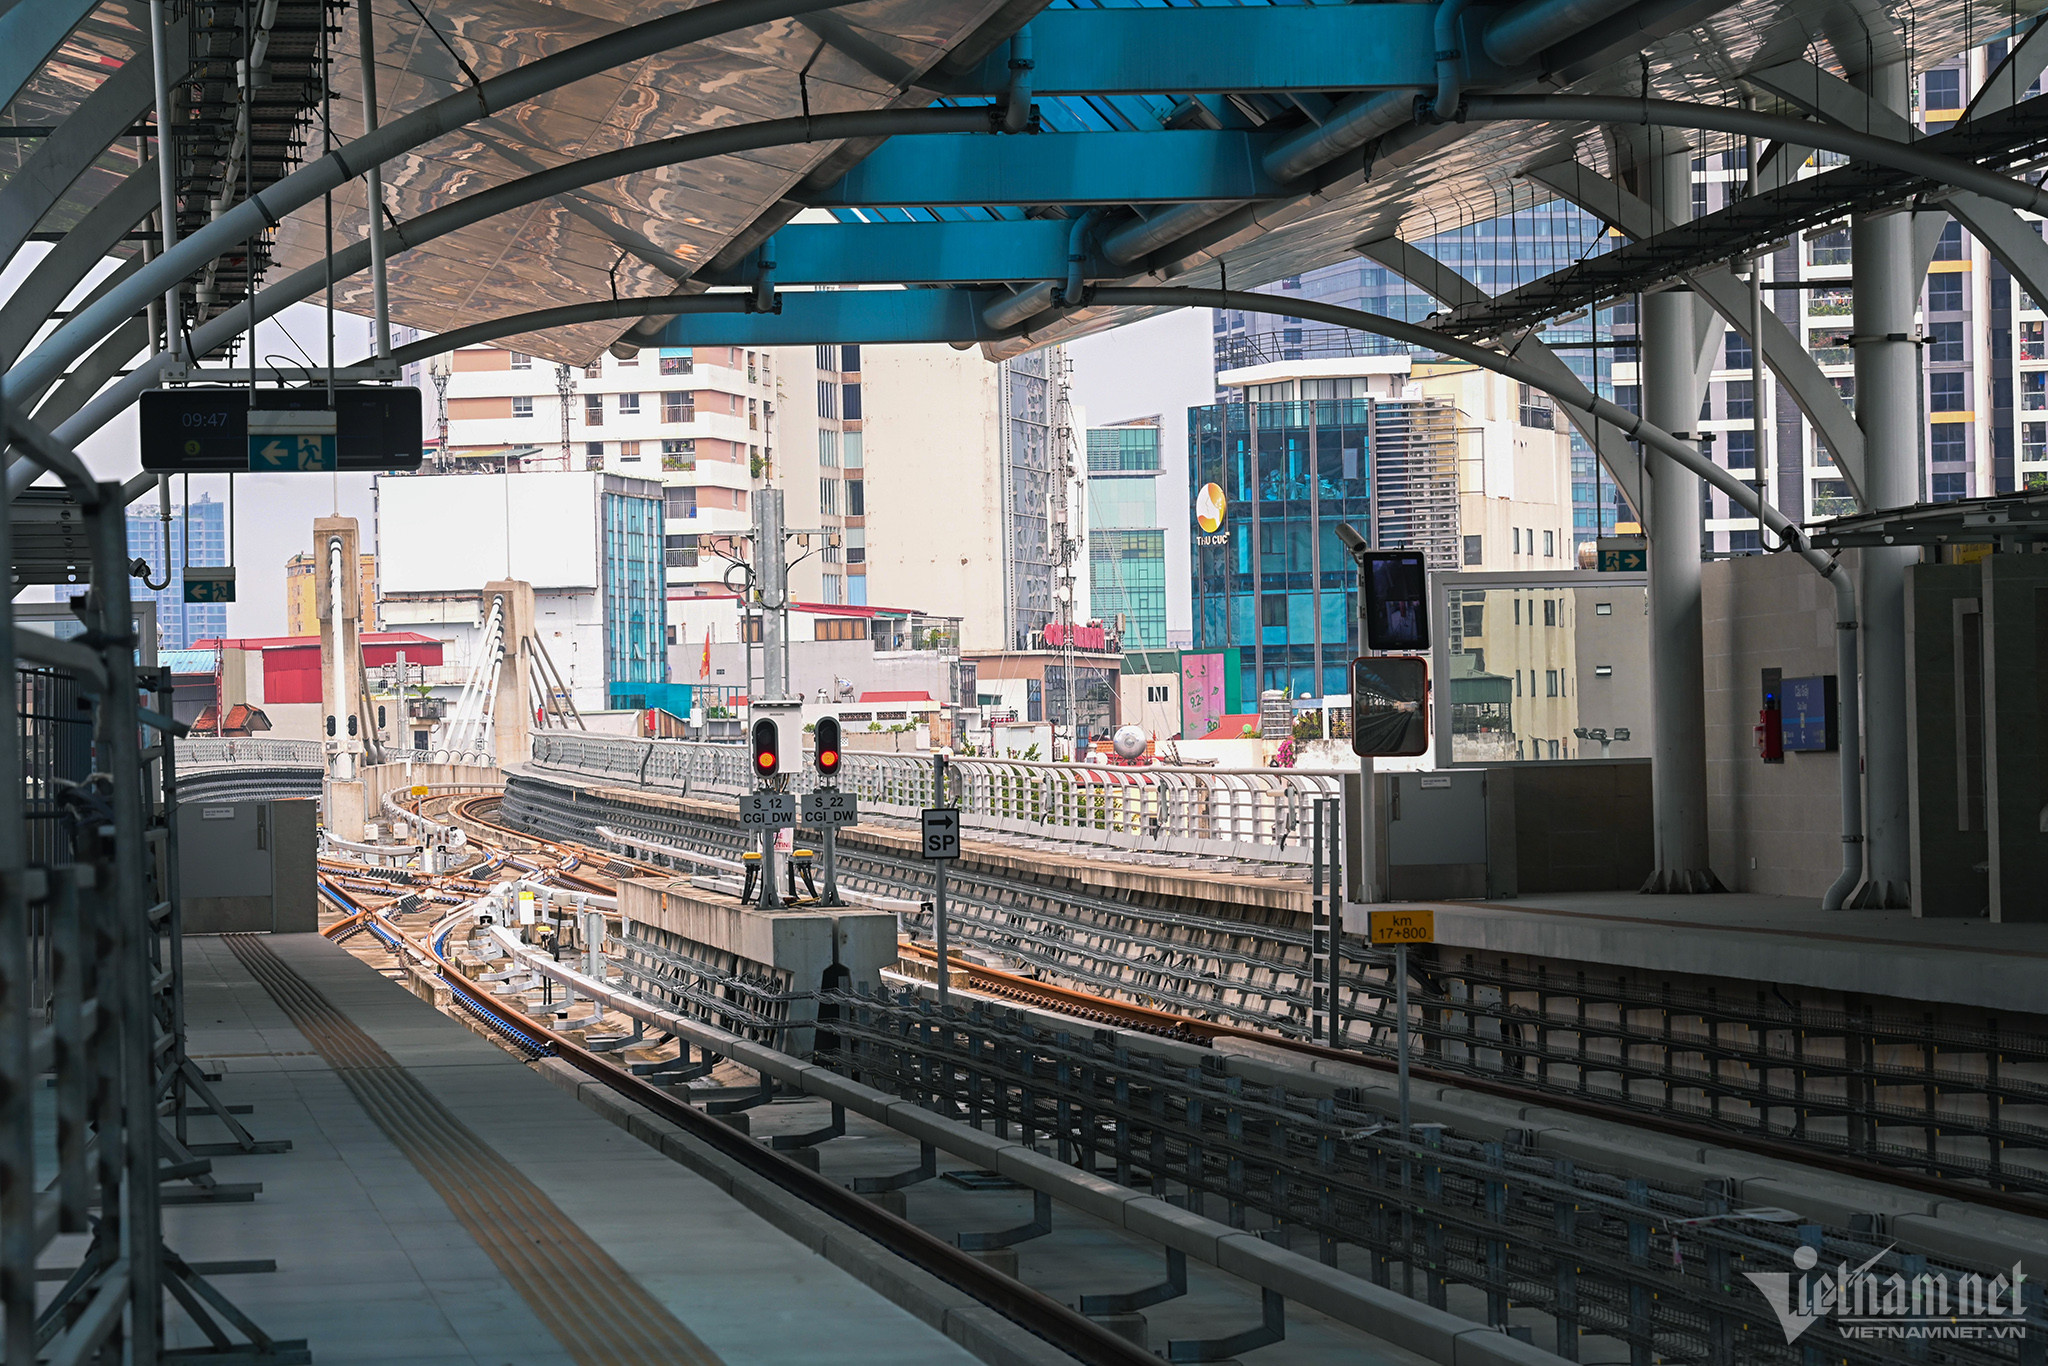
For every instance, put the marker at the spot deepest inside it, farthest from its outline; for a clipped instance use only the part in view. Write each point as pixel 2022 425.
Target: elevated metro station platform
pixel 443 1203
pixel 1743 937
pixel 1753 937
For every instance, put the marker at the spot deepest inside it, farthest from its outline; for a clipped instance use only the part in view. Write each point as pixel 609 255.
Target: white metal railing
pixel 1260 814
pixel 221 752
pixel 196 752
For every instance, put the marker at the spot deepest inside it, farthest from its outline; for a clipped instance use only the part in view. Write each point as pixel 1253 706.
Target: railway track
pixel 1045 1317
pixel 480 813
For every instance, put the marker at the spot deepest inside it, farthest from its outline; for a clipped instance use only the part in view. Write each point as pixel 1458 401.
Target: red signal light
pixel 766 748
pixel 827 740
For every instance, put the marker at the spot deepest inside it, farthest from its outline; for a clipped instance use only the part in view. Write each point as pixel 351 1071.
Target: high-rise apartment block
pixel 198 535
pixel 699 421
pixel 302 593
pixel 1126 539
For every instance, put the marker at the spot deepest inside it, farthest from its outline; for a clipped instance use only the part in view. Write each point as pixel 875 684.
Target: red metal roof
pixel 919 696
pixel 286 642
pixel 1232 727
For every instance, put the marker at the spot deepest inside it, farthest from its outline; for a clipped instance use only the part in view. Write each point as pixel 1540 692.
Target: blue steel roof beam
pixel 990 36
pixel 990 251
pixel 1057 169
pixel 1277 49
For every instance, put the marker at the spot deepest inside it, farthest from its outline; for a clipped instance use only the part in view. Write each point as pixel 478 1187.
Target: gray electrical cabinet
pixel 248 866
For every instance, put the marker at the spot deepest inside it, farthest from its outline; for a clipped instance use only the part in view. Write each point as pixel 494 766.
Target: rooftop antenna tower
pixel 565 386
pixel 1066 539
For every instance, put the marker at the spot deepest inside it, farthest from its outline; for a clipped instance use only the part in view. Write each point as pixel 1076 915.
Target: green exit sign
pixel 1619 555
pixel 215 584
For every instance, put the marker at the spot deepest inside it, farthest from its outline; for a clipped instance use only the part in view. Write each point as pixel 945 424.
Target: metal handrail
pixel 1253 813
pixel 197 751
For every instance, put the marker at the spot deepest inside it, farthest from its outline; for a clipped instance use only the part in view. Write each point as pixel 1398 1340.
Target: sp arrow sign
pixel 941 832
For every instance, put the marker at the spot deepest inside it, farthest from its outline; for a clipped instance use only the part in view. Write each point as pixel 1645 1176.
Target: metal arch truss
pixel 1207 161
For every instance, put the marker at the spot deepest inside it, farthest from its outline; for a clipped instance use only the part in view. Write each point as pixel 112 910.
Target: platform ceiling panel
pixel 596 242
pixel 101 45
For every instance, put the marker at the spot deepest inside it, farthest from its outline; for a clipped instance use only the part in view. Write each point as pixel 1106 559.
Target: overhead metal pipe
pixel 1570 392
pixel 1077 250
pixel 166 170
pixel 373 180
pixel 1017 101
pixel 1353 123
pixel 1519 34
pixel 1026 303
pixel 1029 302
pixel 1449 72
pixel 1911 158
pixel 1143 236
pixel 264 210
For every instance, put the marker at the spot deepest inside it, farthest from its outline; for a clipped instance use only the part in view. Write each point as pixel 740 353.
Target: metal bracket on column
pixel 1040 1225
pixel 675 1070
pixel 1131 1301
pixel 606 1045
pixel 783 1143
pixel 926 1169
pixel 1271 1330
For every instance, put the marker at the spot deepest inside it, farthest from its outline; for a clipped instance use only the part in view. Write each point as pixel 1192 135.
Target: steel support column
pixel 1888 410
pixel 1670 397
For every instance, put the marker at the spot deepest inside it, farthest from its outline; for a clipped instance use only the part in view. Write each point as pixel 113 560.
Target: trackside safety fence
pixel 1259 814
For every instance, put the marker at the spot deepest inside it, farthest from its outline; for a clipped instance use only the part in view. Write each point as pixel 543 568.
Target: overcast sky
pixel 1161 366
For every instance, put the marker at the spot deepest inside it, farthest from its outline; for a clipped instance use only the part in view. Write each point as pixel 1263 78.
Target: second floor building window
pixel 522 406
pixel 593 410
pixel 629 405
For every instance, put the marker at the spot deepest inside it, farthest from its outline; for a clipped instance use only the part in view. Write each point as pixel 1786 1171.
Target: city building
pixel 932 418
pixel 1515 469
pixel 198 535
pixel 698 421
pixel 588 541
pixel 1300 448
pixel 1126 538
pixel 302 593
pixel 837 652
pixel 1496 254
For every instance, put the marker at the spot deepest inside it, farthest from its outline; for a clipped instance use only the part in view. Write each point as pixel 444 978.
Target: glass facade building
pixel 1496 254
pixel 1271 577
pixel 635 597
pixel 180 625
pixel 1126 543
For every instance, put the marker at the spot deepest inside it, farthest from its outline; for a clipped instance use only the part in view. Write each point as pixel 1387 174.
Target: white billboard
pixel 446 533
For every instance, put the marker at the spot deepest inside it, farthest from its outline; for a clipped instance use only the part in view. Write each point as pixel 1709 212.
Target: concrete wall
pixel 2016 734
pixel 1949 844
pixel 934 485
pixel 1579 827
pixel 1771 827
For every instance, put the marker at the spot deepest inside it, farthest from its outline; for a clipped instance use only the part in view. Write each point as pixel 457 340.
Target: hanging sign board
pixel 221 430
